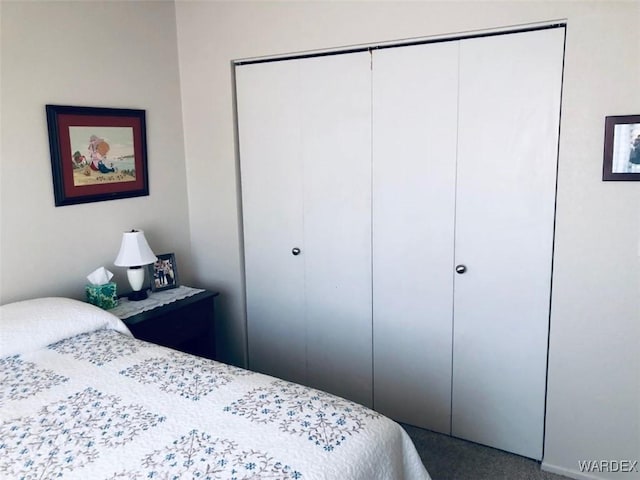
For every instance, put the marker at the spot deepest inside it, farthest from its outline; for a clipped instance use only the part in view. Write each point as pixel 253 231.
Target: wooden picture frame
pixel 621 148
pixel 97 153
pixel 164 272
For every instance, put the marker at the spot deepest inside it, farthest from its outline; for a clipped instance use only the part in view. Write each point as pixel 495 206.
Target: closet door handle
pixel 296 251
pixel 460 269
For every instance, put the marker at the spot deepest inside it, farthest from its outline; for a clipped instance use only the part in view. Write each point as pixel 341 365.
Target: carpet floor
pixel 448 458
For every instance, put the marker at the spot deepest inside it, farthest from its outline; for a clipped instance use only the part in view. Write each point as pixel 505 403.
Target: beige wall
pixel 104 54
pixel 593 404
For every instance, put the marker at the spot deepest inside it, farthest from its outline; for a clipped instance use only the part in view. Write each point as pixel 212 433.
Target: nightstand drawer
pixel 187 325
pixel 170 330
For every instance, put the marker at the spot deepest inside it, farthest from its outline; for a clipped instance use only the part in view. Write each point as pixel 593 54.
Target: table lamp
pixel 135 254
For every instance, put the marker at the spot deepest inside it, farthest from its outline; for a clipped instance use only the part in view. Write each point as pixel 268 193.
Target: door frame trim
pixel 561 23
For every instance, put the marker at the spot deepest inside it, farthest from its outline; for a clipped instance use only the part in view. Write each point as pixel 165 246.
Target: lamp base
pixel 136 296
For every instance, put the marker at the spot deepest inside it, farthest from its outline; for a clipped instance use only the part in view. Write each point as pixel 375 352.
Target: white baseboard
pixel 578 475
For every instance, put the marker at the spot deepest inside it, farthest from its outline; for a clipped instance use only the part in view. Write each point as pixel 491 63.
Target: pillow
pixel 33 324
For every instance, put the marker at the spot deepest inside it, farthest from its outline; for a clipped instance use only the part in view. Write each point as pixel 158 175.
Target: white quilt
pixel 82 399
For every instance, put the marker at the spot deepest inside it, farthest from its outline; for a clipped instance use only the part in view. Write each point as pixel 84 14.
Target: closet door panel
pixel 414 147
pixel 269 129
pixel 305 149
pixel 336 154
pixel 507 155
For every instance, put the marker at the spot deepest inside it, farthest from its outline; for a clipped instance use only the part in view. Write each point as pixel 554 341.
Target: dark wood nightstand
pixel 187 325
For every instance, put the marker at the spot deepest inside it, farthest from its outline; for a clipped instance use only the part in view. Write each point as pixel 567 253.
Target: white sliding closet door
pixel 387 173
pixel 336 157
pixel 270 133
pixel 507 154
pixel 415 96
pixel 305 149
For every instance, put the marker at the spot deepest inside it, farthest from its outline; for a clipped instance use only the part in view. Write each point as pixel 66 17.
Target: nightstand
pixel 187 324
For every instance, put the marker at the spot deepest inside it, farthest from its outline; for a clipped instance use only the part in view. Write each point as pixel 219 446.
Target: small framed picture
pixel 164 272
pixel 621 148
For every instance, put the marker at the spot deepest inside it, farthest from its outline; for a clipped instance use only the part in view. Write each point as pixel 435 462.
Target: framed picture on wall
pixel 164 272
pixel 97 153
pixel 621 148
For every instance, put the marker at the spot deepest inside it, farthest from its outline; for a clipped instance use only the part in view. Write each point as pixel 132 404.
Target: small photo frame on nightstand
pixel 164 272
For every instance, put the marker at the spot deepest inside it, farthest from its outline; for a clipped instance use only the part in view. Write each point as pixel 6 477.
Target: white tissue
pixel 99 276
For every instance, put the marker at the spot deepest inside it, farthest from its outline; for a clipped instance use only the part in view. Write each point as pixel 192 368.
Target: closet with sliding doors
pixel 398 208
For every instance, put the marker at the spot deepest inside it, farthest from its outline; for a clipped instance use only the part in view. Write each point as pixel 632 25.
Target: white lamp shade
pixel 134 250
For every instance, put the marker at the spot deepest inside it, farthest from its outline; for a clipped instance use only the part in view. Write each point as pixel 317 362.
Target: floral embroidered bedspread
pixel 102 405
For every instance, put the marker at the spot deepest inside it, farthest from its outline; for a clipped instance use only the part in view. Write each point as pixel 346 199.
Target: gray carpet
pixel 448 458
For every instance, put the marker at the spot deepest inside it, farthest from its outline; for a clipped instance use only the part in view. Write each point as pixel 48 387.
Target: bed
pixel 80 398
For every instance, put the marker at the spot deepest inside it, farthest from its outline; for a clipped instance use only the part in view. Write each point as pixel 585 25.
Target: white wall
pixel 593 404
pixel 101 54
